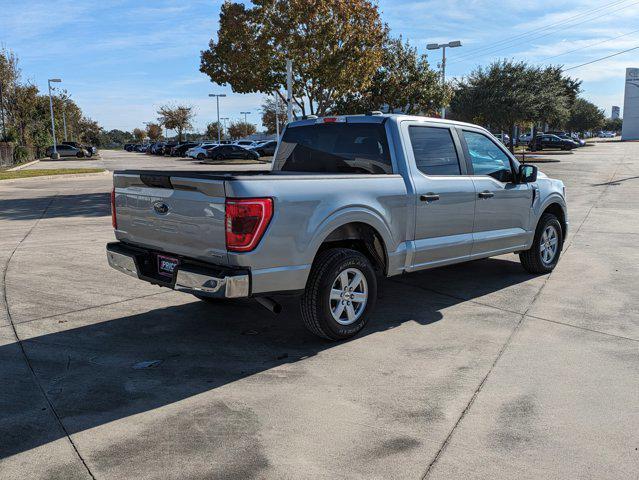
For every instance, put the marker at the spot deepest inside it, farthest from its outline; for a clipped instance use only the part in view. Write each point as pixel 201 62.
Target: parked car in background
pixel 265 149
pixel 230 152
pixel 342 208
pixel 244 143
pixel 567 136
pixel 524 139
pixel 180 149
pixel 90 150
pixel 606 134
pixel 502 137
pixel 166 148
pixel 200 152
pixel 67 151
pixel 129 147
pixel 550 142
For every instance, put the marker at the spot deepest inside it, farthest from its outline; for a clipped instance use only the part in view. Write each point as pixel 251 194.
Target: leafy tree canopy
pixel 335 46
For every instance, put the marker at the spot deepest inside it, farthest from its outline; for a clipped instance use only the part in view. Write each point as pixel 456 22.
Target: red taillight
pixel 114 218
pixel 246 221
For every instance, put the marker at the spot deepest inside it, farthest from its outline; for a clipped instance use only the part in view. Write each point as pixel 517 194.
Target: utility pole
pixel 245 122
pixel 55 155
pixel 225 119
pixel 289 91
pixel 217 99
pixel 437 46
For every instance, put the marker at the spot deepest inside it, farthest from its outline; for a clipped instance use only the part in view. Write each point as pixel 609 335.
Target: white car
pixel 606 134
pixel 200 151
pixel 245 143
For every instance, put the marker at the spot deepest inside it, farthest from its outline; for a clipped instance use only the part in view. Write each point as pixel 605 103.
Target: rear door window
pixel 434 150
pixel 338 147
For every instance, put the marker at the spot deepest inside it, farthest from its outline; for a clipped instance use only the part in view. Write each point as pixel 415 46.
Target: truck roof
pixel 372 118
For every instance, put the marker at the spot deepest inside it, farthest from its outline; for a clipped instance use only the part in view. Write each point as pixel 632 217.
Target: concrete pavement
pixel 477 370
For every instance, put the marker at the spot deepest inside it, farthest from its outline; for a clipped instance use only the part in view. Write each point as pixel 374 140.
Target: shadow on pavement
pixel 80 205
pixel 113 369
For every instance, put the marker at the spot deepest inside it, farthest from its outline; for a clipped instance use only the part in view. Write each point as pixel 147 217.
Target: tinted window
pixel 487 158
pixel 434 150
pixel 335 148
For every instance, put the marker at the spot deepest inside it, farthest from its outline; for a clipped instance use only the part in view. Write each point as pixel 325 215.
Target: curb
pixel 62 176
pixel 20 167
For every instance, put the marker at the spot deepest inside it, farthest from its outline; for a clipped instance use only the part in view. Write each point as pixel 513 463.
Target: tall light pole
pixel 245 122
pixel 289 91
pixel 437 46
pixel 225 119
pixel 55 149
pixel 217 99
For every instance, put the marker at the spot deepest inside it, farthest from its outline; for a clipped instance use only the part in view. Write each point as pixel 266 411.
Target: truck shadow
pixel 89 205
pixel 105 371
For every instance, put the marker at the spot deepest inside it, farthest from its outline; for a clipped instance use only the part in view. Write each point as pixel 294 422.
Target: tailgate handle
pixel 157 181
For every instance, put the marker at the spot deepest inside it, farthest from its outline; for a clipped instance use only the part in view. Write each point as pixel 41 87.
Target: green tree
pixel 139 134
pixel 176 117
pixel 335 47
pixel 613 125
pixel 404 82
pixel 211 130
pixel 241 129
pixel 153 131
pixel 585 116
pixel 9 77
pixel 509 93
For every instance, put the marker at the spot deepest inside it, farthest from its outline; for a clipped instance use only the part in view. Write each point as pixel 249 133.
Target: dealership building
pixel 630 129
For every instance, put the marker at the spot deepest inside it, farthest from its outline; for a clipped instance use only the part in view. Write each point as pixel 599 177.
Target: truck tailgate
pixel 177 215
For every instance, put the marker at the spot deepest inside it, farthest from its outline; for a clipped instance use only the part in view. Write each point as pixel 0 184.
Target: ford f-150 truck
pixel 349 200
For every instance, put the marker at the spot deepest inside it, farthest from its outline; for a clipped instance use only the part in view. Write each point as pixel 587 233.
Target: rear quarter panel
pixel 307 208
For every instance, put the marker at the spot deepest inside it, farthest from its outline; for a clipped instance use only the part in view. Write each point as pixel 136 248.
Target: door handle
pixel 429 197
pixel 486 194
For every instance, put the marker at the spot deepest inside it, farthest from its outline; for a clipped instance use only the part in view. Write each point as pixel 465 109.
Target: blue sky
pixel 121 59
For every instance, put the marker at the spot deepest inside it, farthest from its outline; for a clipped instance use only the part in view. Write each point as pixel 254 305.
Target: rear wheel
pixel 340 294
pixel 200 156
pixel 544 254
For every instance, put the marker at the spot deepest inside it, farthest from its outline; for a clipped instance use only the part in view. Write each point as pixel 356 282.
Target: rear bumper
pixel 191 277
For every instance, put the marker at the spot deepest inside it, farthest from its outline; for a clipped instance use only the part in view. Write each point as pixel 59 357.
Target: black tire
pixel 315 303
pixel 531 259
pixel 200 156
pixel 219 157
pixel 79 154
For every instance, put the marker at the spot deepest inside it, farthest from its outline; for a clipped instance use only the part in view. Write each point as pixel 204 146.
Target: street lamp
pixel 437 46
pixel 55 150
pixel 245 122
pixel 217 99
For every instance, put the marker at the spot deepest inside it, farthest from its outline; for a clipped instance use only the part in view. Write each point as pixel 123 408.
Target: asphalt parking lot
pixel 472 371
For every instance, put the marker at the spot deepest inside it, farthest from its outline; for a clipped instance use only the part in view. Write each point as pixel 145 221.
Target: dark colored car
pixel 265 149
pixel 129 147
pixel 166 148
pixel 231 152
pixel 180 149
pixel 551 142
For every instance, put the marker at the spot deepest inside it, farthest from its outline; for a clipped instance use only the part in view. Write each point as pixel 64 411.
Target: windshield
pixel 338 147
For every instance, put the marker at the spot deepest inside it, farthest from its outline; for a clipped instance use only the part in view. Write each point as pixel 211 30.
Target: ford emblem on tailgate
pixel 161 208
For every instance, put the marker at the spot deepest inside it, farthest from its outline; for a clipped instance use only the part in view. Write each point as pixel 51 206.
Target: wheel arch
pixel 360 236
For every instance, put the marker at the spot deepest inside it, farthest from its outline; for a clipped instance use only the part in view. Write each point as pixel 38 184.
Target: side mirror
pixel 527 173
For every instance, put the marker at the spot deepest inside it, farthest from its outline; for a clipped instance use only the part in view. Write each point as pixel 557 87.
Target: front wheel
pixel 544 254
pixel 200 156
pixel 340 294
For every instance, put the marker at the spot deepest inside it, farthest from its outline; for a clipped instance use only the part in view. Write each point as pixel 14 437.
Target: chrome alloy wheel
pixel 549 244
pixel 349 294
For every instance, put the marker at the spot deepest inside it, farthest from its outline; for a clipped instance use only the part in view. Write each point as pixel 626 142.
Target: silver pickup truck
pixel 349 200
